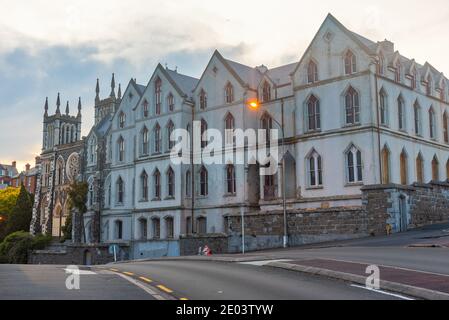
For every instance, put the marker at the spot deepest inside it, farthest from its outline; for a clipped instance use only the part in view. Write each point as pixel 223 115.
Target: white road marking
pixel 142 286
pixel 263 262
pixel 80 272
pixel 382 292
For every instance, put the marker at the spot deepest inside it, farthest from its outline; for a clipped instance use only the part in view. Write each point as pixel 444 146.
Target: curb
pixel 199 258
pixel 385 285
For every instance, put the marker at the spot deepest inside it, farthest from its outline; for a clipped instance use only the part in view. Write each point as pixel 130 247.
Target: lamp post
pixel 255 105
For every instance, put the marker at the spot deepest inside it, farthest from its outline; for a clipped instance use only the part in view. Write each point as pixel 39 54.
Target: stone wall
pixel 77 255
pixel 265 230
pixel 189 244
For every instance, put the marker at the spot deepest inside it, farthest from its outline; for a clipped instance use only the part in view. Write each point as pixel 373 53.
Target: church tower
pixel 108 106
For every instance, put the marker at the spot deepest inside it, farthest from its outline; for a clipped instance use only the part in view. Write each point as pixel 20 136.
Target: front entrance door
pixel 403 214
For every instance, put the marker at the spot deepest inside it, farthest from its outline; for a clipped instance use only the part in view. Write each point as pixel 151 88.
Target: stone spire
pixel 119 93
pixel 79 108
pixel 58 105
pixel 46 107
pixel 113 86
pixel 67 110
pixel 97 91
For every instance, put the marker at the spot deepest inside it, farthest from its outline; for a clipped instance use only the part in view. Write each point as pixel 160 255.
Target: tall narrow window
pixel 145 141
pixel 144 186
pixel 145 109
pixel 445 127
pixel 417 116
pixel 121 120
pixel 404 168
pixel 156 228
pixel 313 114
pixel 432 123
pixel 121 149
pixel 204 183
pixel 401 114
pixel 429 85
pixel 204 138
pixel 352 106
pixel 170 129
pixel 312 72
pixel 435 169
pixel 188 184
pixel 230 179
pixel 171 102
pixel 170 183
pixel 383 108
pixel 443 92
pixel 201 223
pixel 354 165
pixel 158 95
pixel 420 169
pixel 266 123
pixel 229 93
pixel 118 229
pixel 398 72
pixel 157 184
pixel 385 156
pixel 169 227
pixel 266 92
pixel 157 139
pixel 143 228
pixel 120 189
pixel 203 99
pixel 381 64
pixel 315 170
pixel 229 129
pixel 350 63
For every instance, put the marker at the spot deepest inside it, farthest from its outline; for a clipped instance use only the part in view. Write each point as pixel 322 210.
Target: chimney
pixel 387 46
pixel 27 167
pixel 37 160
pixel 14 163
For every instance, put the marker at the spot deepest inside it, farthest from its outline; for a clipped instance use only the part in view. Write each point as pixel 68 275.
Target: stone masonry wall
pixel 189 244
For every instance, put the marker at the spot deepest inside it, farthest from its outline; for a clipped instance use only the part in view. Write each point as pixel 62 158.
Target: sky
pixel 49 46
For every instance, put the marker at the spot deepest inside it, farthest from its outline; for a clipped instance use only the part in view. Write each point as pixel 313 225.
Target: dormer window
pixel 312 72
pixel 350 63
pixel 443 92
pixel 429 85
pixel 381 64
pixel 203 99
pixel 229 93
pixel 414 80
pixel 266 92
pixel 121 120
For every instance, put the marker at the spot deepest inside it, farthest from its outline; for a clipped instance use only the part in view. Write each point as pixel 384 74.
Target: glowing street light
pixel 253 104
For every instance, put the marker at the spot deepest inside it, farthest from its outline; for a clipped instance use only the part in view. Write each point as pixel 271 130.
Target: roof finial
pixel 97 88
pixel 113 86
pixel 67 111
pixel 58 104
pixel 79 107
pixel 119 93
pixel 46 107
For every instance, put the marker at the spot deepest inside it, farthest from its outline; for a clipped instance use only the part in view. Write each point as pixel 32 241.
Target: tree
pixel 19 218
pixel 8 199
pixel 77 200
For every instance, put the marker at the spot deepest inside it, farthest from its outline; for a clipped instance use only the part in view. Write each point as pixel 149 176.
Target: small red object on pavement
pixel 207 251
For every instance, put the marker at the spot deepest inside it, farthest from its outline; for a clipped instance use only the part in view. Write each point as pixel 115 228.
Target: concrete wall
pixel 155 249
pixel 218 243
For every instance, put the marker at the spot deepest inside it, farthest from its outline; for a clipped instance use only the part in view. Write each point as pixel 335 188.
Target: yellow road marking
pixel 146 279
pixel 163 288
pixel 184 299
pixel 128 273
pixel 115 270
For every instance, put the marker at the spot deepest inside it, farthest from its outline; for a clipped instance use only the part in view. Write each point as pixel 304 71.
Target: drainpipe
pixel 192 173
pixel 378 125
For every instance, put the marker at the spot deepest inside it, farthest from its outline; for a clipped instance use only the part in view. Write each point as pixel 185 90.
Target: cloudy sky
pixel 49 46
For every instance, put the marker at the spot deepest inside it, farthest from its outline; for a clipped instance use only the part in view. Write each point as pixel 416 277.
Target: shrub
pixel 14 249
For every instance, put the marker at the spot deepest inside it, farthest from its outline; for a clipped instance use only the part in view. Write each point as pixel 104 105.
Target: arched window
pixel 143 226
pixel 157 184
pixel 352 106
pixel 417 116
pixel 314 169
pixel 203 99
pixel 398 72
pixel 121 149
pixel 385 157
pixel 229 129
pixel 144 186
pixel 443 91
pixel 169 227
pixel 313 114
pixel 429 84
pixel 170 129
pixel 354 165
pixel 108 192
pixel 230 179
pixel 350 63
pixel 229 93
pixel 120 190
pixel 266 123
pixel 158 96
pixel 118 230
pixel 204 138
pixel 145 109
pixel 401 113
pixel 156 228
pixel 383 108
pixel 170 183
pixel 432 123
pixel 188 184
pixel 381 64
pixel 157 139
pixel 204 183
pixel 90 194
pixel 435 169
pixel 312 72
pixel 121 120
pixel 414 80
pixel 266 92
pixel 171 102
pixel 445 127
pixel 201 225
pixel 92 151
pixel 404 167
pixel 145 141
pixel 420 169
pixel 60 172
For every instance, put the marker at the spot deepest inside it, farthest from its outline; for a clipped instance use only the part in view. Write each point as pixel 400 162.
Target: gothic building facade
pixel 355 112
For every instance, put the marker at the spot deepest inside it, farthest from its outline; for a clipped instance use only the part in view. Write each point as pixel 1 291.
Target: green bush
pixel 14 249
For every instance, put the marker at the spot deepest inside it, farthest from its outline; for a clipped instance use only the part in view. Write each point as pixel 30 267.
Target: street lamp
pixel 254 104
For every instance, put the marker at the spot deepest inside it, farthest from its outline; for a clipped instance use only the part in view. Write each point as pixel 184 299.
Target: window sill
pixel 169 198
pixel 157 153
pixel 143 200
pixel 313 131
pixel 351 125
pixel 354 184
pixel 201 197
pixel 315 188
pixel 156 199
pixel 230 195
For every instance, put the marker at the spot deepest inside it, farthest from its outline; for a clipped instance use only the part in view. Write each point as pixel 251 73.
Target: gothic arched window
pixel 312 72
pixel 352 106
pixel 350 63
pixel 313 114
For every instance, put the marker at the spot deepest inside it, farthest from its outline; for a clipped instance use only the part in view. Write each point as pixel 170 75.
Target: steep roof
pixel 281 75
pixel 185 83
